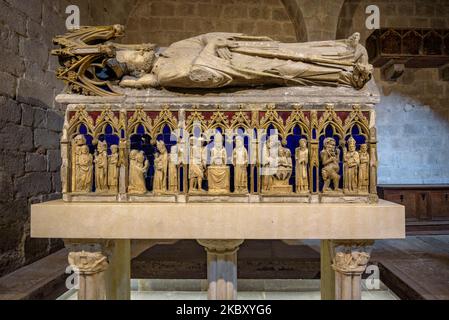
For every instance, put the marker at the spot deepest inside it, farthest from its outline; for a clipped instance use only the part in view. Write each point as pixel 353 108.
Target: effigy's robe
pixel 253 61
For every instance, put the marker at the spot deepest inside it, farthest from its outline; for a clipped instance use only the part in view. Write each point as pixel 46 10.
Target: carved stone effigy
pixel 132 134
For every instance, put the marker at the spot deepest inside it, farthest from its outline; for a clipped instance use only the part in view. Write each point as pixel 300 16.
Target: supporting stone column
pixel 327 283
pixel 221 268
pixel 103 268
pixel 350 259
pixel 90 267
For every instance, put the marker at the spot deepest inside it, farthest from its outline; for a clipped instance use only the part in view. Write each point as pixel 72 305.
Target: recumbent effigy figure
pixel 212 60
pixel 217 60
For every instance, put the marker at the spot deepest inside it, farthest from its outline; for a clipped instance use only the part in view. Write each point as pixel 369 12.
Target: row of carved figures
pixel 276 167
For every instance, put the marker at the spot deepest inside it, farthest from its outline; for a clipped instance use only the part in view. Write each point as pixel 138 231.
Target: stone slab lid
pixel 300 95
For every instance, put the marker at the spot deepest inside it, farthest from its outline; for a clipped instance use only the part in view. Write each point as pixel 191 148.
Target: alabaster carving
pixel 265 176
pixel 302 161
pixel 277 167
pixel 83 174
pixel 113 169
pixel 196 165
pixel 354 261
pixel 240 162
pixel 218 175
pixel 212 60
pixel 173 163
pixel 88 262
pixel 351 160
pixel 160 168
pixel 330 159
pixel 101 167
pixel 220 246
pixel 138 167
pixel 364 169
pixel 81 170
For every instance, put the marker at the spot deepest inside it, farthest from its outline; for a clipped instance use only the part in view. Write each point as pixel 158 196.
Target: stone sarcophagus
pixel 217 118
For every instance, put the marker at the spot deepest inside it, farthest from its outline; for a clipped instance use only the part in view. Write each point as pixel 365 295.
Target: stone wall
pixel 394 14
pixel 413 117
pixel 30 121
pixel 165 22
pixel 413 129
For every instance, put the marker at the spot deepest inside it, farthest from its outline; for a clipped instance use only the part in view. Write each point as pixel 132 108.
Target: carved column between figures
pixel 91 267
pixel 221 268
pixel 349 262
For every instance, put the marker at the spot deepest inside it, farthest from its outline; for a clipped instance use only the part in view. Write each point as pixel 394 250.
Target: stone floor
pixel 251 290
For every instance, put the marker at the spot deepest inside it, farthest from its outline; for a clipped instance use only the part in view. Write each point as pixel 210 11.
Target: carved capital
pixel 221 246
pixel 87 263
pixel 88 256
pixel 353 262
pixel 351 256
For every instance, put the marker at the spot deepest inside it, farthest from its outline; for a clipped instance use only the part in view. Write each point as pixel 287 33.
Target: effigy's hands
pixel 223 46
pixel 224 53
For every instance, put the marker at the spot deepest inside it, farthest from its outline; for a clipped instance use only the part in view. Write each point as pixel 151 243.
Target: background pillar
pixel 221 268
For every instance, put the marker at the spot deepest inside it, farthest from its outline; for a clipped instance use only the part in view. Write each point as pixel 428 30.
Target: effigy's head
pixel 114 148
pixel 364 148
pixel 303 143
pixel 84 149
pixel 139 59
pixel 354 39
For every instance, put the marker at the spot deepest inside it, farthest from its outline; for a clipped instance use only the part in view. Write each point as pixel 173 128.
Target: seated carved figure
pixel 278 162
pixel 218 175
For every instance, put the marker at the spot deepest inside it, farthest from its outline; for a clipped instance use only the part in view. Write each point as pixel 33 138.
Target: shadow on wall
pixel 413 142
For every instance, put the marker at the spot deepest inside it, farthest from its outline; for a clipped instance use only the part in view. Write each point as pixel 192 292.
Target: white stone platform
pixel 99 234
pixel 58 219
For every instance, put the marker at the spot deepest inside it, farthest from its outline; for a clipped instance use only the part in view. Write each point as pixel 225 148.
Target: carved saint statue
pixel 113 169
pixel 173 163
pixel 138 168
pixel 240 162
pixel 218 175
pixel 101 167
pixel 330 159
pixel 84 170
pixel 364 169
pixel 302 161
pixel 196 165
pixel 161 168
pixel 268 165
pixel 216 60
pixel 351 164
pixel 77 144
